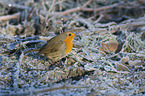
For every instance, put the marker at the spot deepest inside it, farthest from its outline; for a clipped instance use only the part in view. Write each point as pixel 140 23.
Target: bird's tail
pixel 32 50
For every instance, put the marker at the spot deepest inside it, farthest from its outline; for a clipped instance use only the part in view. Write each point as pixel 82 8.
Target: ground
pixel 108 57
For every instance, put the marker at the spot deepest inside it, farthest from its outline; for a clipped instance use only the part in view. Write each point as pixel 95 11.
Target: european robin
pixel 57 47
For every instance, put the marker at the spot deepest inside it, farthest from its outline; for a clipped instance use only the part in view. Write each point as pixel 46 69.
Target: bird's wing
pixel 52 47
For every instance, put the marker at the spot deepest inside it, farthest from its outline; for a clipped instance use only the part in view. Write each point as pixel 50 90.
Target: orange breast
pixel 69 43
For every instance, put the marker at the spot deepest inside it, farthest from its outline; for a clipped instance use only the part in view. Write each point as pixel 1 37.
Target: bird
pixel 57 47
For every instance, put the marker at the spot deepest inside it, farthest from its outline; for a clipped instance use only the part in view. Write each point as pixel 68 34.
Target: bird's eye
pixel 69 34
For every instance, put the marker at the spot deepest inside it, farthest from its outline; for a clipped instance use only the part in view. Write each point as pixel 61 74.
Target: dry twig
pixel 101 8
pixel 124 26
pixel 8 17
pixel 82 8
pixel 19 6
pixel 74 9
pixel 37 91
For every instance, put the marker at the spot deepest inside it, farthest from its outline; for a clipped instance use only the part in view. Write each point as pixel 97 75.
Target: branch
pixel 8 17
pixel 123 26
pixel 19 6
pixel 83 9
pixel 101 8
pixel 53 3
pixel 74 9
pixel 37 91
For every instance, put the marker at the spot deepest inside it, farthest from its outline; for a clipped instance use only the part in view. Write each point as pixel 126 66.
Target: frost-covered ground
pixel 108 57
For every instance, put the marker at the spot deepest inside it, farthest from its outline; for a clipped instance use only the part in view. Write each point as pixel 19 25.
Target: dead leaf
pixel 123 65
pixel 110 46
